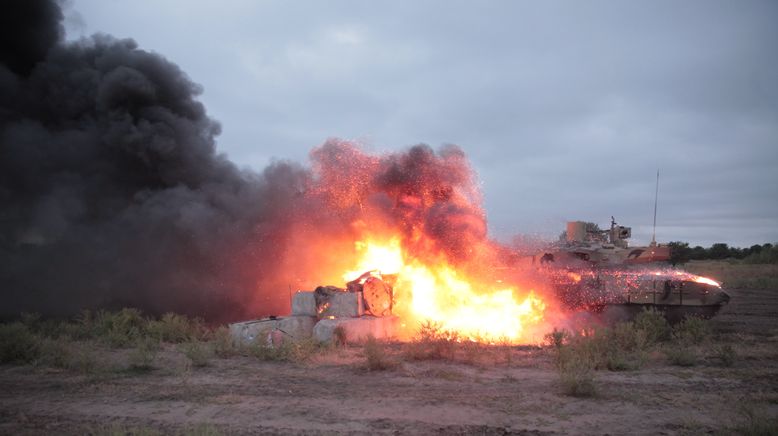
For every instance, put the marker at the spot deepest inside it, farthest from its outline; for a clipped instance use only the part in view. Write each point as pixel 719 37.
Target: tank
pixel 596 270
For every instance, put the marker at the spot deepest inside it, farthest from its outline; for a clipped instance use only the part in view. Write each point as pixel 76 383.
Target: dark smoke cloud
pixel 28 29
pixel 113 194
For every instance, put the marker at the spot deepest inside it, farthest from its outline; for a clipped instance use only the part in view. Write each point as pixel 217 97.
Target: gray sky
pixel 566 109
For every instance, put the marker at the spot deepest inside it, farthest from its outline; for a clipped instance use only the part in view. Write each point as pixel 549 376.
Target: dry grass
pixel 432 343
pixel 287 351
pixel 725 353
pixel 376 357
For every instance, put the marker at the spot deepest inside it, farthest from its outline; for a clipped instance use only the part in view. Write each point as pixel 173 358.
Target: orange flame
pixel 429 291
pixel 707 281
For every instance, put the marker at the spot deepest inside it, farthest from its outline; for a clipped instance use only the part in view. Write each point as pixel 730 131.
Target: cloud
pixel 567 110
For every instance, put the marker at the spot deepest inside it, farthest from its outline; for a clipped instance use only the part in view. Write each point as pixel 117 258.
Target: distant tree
pixel 719 250
pixel 698 253
pixel 737 253
pixel 680 252
pixel 767 253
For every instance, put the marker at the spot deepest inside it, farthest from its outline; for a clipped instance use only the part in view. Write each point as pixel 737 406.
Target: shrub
pixel 119 329
pixel 55 353
pixel 176 328
pixel 223 344
pixel 142 357
pixel 681 355
pixel 288 351
pixel 622 347
pixel 556 338
pixel 692 330
pixel 18 344
pixel 375 355
pixel 654 324
pixel 432 342
pixel 474 349
pixel 60 353
pixel 83 360
pixel 83 326
pixel 198 353
pixel 576 372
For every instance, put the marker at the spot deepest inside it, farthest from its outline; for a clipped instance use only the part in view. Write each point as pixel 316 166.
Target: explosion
pixel 114 195
pixel 438 294
pixel 417 216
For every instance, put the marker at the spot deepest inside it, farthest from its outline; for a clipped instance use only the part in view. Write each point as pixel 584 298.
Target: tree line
pixel 681 252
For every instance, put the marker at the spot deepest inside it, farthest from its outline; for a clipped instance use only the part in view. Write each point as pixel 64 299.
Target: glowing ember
pixel 707 281
pixel 696 278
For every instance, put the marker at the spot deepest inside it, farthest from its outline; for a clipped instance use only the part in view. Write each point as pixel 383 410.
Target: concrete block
pixel 272 331
pixel 357 329
pixel 297 327
pixel 254 331
pixel 342 304
pixel 304 304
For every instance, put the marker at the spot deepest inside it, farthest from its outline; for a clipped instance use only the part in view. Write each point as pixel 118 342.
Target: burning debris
pixel 317 314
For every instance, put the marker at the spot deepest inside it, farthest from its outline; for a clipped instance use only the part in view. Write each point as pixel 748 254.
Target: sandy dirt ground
pixel 517 393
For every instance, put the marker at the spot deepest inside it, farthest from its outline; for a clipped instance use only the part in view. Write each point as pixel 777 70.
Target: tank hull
pixel 614 313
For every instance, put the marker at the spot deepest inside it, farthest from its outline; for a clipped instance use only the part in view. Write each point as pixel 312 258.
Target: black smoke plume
pixel 112 192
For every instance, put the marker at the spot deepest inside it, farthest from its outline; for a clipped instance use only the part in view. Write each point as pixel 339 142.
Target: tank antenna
pixel 656 197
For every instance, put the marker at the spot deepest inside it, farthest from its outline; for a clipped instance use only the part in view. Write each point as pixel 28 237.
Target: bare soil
pixel 507 392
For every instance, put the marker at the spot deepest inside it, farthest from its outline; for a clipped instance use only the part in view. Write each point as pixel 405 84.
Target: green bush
pixel 142 357
pixel 61 353
pixel 199 354
pixel 620 348
pixel 654 324
pixel 82 359
pixel 576 372
pixel 119 329
pixel 176 328
pixel 18 344
pixel 287 351
pixel 223 344
pixel 56 353
pixel 692 330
